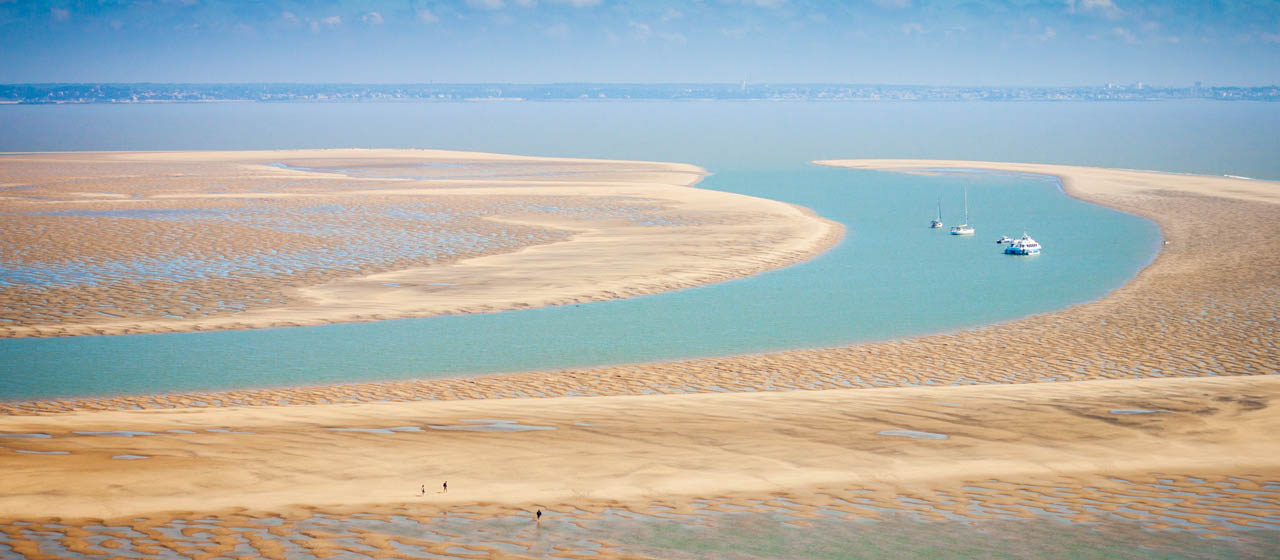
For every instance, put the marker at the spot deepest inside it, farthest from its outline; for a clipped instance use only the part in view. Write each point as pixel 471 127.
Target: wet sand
pixel 134 242
pixel 1150 406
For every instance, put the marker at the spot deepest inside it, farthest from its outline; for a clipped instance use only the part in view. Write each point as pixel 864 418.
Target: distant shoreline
pixel 141 93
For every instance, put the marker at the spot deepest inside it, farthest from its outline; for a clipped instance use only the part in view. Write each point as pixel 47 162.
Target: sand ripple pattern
pixel 1174 515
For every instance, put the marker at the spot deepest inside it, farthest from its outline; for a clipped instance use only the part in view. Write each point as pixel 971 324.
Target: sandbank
pixel 184 241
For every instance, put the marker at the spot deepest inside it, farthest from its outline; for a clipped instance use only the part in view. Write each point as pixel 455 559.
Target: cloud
pixel 671 14
pixel 1125 34
pixel 527 3
pixel 372 18
pixel 893 4
pixel 674 38
pixel 485 4
pixel 1048 34
pixel 640 30
pixel 289 17
pixel 424 15
pixel 579 3
pixel 324 23
pixel 913 27
pixel 1104 8
pixel 60 14
pixel 763 3
pixel 558 31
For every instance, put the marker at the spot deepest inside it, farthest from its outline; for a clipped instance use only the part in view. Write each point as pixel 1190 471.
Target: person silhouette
pixel 446 487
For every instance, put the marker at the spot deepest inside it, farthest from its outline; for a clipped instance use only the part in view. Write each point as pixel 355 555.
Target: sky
pixel 946 42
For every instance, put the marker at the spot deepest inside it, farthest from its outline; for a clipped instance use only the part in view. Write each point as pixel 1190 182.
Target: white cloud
pixel 762 3
pixel 671 14
pixel 485 4
pixel 579 3
pixel 372 18
pixel 640 30
pixel 913 27
pixel 893 4
pixel 425 16
pixel 558 31
pixel 1125 34
pixel 1048 34
pixel 320 25
pixel 289 17
pixel 1104 8
pixel 674 38
pixel 60 14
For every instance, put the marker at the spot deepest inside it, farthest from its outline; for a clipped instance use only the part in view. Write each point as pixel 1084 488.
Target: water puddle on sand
pixel 479 425
pixel 30 452
pixel 131 457
pixel 117 433
pixel 26 435
pixel 378 430
pixel 911 434
pixel 1136 411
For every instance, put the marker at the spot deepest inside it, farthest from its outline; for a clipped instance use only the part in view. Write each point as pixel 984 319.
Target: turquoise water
pixel 891 277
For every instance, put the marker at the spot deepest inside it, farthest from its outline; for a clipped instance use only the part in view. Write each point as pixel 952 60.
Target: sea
pixel 891 277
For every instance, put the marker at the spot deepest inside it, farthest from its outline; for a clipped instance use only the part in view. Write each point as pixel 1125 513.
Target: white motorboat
pixel 1024 246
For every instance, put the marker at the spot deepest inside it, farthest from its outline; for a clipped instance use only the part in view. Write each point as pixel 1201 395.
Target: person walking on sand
pixel 446 487
pixel 424 489
pixel 539 516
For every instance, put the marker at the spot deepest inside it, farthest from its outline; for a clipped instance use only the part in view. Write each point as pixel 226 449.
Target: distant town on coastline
pixel 284 92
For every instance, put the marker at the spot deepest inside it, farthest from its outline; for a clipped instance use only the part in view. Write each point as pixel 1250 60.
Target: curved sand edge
pixel 1196 310
pixel 710 236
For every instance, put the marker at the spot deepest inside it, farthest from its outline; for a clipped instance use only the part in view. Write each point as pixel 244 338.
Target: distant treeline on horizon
pixel 265 92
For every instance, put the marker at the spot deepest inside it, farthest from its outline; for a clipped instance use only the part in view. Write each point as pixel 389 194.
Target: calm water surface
pixel 890 277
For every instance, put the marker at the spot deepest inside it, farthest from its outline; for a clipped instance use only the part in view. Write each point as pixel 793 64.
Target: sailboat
pixel 964 228
pixel 937 222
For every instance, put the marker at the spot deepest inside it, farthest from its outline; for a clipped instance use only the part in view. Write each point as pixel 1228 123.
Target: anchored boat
pixel 937 222
pixel 964 228
pixel 1024 246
